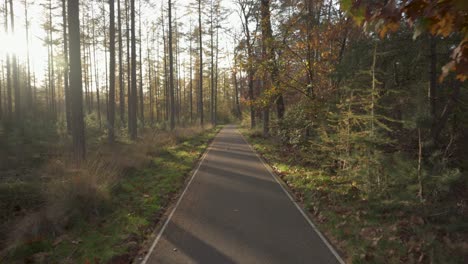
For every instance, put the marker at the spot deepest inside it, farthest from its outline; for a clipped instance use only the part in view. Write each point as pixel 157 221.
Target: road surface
pixel 234 211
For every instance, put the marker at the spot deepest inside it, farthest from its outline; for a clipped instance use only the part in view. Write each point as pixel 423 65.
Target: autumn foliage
pixel 438 18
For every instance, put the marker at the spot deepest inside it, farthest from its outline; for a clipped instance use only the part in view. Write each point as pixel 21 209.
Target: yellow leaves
pixel 443 26
pixel 389 27
pixel 459 62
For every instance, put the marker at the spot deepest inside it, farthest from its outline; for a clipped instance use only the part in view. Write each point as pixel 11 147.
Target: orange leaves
pixel 459 62
pixel 439 18
pixel 389 27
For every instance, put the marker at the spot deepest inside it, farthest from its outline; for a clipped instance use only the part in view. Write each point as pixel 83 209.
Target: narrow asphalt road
pixel 234 211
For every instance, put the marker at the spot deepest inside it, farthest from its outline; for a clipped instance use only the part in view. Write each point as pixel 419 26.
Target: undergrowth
pixel 102 210
pixel 396 229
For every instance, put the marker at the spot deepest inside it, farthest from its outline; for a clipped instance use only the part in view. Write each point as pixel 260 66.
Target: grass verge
pixel 101 213
pixel 367 231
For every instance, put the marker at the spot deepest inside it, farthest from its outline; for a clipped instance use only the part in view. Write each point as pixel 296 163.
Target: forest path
pixel 235 211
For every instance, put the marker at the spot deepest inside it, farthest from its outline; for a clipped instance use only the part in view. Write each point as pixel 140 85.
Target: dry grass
pixel 74 193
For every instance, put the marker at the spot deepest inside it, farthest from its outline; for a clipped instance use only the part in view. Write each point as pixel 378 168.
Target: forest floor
pixel 100 212
pixel 367 231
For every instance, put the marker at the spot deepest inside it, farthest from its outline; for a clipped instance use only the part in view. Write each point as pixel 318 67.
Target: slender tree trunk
pixel 157 83
pixel 166 83
pixel 142 99
pixel 111 102
pixel 28 60
pixel 95 65
pixel 16 85
pixel 85 69
pixel 171 67
pixel 250 70
pixel 128 63
pixel 200 78
pixel 150 82
pixel 178 89
pixel 216 70
pixel 8 73
pixel 190 78
pixel 236 97
pixel 270 76
pixel 133 113
pixel 106 73
pixel 76 90
pixel 52 65
pixel 433 84
pixel 90 71
pixel 65 68
pixel 212 95
pixel 121 71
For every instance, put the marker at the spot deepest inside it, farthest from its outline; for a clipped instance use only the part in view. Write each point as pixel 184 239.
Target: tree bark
pixel 8 73
pixel 212 101
pixel 65 68
pixel 129 76
pixel 250 70
pixel 200 78
pixel 28 60
pixel 121 71
pixel 141 105
pixel 95 65
pixel 16 84
pixel 171 67
pixel 133 98
pixel 76 90
pixel 190 77
pixel 267 59
pixel 111 102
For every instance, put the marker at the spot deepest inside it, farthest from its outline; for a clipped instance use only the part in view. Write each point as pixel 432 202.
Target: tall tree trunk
pixel 8 72
pixel 190 78
pixel 65 68
pixel 216 68
pixel 76 90
pixel 166 83
pixel 16 85
pixel 133 108
pixel 250 70
pixel 111 102
pixel 157 82
pixel 129 77
pixel 236 96
pixel 150 81
pixel 171 67
pixel 178 89
pixel 212 94
pixel 433 85
pixel 121 71
pixel 52 65
pixel 106 73
pixel 95 65
pixel 28 60
pixel 274 67
pixel 142 99
pixel 85 69
pixel 200 77
pixel 268 57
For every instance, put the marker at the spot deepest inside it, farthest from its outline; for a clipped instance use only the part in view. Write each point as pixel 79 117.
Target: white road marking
pixel 145 260
pixel 337 256
pixel 322 237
